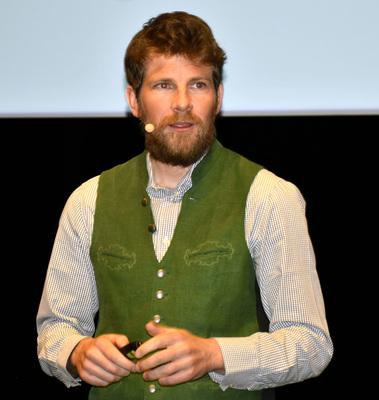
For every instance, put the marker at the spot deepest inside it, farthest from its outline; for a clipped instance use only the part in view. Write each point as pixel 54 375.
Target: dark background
pixel 328 157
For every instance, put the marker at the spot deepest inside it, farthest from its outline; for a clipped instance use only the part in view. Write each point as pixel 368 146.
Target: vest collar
pixel 207 162
pixel 197 171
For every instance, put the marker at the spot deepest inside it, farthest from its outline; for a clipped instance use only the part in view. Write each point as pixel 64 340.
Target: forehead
pixel 175 67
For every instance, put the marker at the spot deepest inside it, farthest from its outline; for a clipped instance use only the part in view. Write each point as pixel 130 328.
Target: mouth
pixel 181 126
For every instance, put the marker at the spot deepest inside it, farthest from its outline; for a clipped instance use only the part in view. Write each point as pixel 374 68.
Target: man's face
pixel 179 99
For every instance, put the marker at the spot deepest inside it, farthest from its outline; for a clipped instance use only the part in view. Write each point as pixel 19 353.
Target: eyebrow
pixel 170 80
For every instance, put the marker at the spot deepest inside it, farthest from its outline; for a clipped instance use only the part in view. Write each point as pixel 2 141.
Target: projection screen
pixel 285 57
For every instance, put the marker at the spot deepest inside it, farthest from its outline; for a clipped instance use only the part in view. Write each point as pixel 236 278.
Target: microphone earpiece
pixel 149 128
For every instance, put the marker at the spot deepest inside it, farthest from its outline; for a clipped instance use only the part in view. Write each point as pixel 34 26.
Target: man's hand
pixel 182 357
pixel 99 362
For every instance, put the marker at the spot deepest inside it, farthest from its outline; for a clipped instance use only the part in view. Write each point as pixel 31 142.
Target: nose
pixel 181 100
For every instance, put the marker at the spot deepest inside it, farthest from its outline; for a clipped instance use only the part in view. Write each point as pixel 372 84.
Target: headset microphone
pixel 149 128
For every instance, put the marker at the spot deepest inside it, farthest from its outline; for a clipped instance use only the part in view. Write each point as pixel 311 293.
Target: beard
pixel 181 148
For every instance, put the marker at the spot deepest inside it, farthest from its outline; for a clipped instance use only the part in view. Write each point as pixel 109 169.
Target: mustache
pixel 179 118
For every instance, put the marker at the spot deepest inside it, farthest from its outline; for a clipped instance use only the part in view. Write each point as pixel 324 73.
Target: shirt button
pixel 157 319
pixel 152 389
pixel 159 295
pixel 161 273
pixel 152 228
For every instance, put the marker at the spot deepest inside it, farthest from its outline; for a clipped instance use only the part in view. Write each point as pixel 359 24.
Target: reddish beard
pixel 181 148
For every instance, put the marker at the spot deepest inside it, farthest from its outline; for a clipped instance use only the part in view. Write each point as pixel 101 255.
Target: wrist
pixel 217 360
pixel 72 360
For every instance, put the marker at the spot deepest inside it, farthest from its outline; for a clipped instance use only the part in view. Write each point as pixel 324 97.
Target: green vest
pixel 208 285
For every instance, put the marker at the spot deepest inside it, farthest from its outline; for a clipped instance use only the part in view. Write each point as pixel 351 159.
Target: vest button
pixel 151 228
pixel 152 389
pixel 157 319
pixel 144 202
pixel 161 273
pixel 159 294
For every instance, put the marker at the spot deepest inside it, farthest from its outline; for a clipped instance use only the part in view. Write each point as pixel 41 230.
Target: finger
pixel 116 356
pixel 154 329
pixel 157 342
pixel 98 376
pixel 155 360
pixel 177 378
pixel 164 370
pixel 119 340
pixel 106 359
pixel 174 372
pixel 109 346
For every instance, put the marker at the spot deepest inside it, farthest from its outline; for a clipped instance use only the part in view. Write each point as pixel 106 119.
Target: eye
pixel 199 85
pixel 162 85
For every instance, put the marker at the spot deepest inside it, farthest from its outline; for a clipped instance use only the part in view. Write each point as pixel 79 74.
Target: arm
pixel 298 345
pixel 69 300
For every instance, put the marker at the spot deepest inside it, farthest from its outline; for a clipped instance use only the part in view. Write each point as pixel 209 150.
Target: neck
pixel 166 175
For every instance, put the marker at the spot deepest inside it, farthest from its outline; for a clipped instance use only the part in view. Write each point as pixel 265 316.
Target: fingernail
pixel 137 369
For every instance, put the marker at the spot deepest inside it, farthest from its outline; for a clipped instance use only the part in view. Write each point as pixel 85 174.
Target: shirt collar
pixel 183 186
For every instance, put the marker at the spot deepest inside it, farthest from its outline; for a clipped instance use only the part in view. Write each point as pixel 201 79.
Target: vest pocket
pixel 116 258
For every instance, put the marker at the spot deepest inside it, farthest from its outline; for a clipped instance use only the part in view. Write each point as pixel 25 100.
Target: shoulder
pixel 82 201
pixel 274 208
pixel 268 190
pixel 134 166
pixel 237 160
pixel 236 168
pixel 86 193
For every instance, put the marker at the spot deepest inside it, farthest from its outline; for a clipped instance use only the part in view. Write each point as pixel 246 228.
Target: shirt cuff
pixel 240 361
pixel 65 351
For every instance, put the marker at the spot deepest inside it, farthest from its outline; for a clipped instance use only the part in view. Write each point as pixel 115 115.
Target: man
pixel 181 248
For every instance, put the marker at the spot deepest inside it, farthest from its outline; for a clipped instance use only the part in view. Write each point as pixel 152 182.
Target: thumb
pixel 119 340
pixel 153 329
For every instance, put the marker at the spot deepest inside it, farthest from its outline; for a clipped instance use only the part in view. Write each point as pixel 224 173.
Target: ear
pixel 132 100
pixel 220 94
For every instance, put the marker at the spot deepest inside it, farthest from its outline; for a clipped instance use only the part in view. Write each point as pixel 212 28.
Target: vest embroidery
pixel 116 258
pixel 209 253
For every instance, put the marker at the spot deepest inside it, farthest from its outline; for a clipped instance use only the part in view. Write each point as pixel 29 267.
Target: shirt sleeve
pixel 69 300
pixel 298 345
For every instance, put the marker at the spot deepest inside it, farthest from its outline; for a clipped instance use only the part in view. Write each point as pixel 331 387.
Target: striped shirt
pixel 298 344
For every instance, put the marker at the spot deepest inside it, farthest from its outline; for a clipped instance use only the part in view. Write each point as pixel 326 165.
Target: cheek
pixel 208 110
pixel 156 111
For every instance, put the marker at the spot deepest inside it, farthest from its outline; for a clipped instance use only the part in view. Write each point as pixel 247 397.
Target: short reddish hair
pixel 171 34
